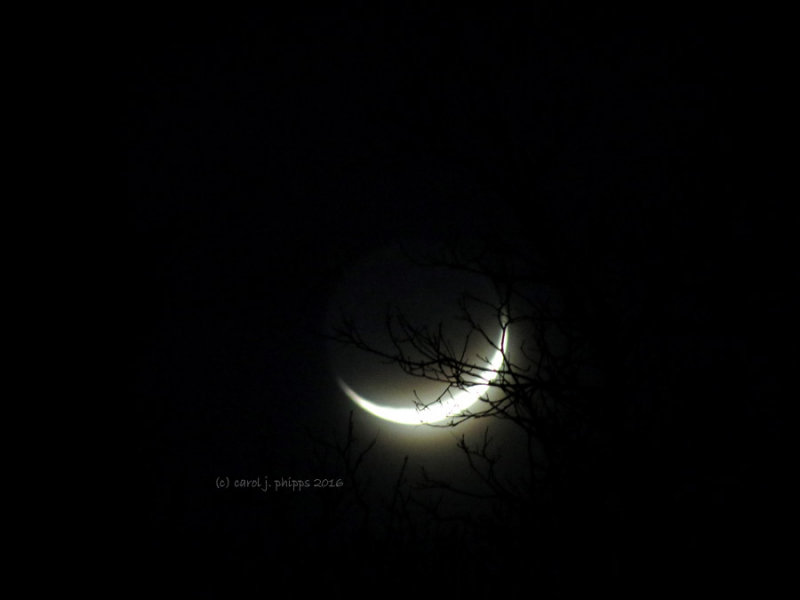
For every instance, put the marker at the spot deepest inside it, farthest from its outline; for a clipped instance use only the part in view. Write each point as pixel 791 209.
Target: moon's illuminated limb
pixel 449 406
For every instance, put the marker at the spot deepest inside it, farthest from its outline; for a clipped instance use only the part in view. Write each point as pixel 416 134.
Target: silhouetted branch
pixel 539 387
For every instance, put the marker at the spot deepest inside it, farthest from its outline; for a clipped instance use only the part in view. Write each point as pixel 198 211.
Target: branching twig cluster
pixel 541 387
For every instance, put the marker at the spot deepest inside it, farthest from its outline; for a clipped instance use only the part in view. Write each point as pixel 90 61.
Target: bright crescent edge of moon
pixel 445 408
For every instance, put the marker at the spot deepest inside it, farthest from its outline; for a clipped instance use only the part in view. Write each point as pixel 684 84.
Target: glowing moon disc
pixel 451 405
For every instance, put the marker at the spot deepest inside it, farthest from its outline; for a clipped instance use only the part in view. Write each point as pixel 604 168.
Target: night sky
pixel 269 152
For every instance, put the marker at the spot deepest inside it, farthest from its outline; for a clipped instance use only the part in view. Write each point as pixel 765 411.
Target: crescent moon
pixel 446 407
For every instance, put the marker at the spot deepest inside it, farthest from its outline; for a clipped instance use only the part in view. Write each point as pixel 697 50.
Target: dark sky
pixel 268 151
